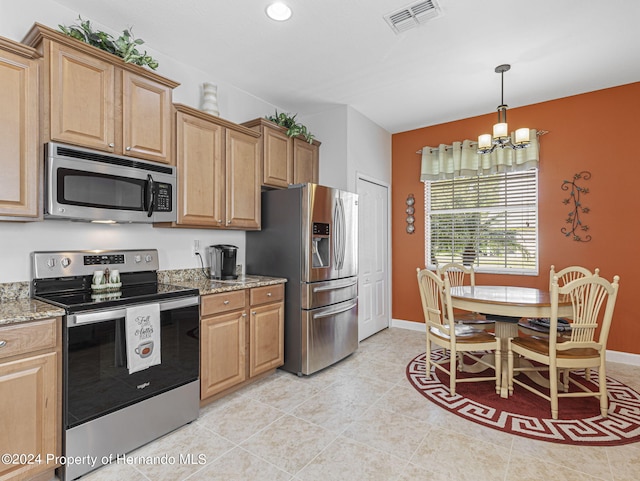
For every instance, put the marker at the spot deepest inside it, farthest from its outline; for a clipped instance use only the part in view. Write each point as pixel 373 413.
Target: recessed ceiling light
pixel 279 11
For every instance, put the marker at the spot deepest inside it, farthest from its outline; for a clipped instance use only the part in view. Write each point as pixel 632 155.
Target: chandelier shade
pixel 501 138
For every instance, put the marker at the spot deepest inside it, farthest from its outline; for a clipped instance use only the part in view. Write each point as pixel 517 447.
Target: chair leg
pixel 553 391
pixel 498 368
pixel 427 364
pixel 602 383
pixel 510 367
pixel 565 380
pixel 452 372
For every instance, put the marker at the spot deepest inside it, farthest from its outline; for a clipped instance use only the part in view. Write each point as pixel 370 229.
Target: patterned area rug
pixel 528 415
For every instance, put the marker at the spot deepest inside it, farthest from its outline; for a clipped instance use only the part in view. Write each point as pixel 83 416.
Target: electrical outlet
pixel 195 248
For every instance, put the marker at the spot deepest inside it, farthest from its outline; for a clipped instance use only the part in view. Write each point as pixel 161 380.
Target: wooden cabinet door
pixel 28 412
pixel 81 99
pixel 305 161
pixel 222 352
pixel 278 158
pixel 19 138
pixel 199 160
pixel 242 181
pixel 146 118
pixel 266 338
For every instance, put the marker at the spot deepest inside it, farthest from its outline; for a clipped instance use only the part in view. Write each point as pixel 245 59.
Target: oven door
pixel 96 379
pixel 108 189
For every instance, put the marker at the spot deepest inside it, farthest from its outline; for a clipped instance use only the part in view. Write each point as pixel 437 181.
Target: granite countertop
pixel 23 310
pixel 16 306
pixel 210 286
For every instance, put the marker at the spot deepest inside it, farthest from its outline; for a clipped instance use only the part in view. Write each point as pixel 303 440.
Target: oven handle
pixel 109 314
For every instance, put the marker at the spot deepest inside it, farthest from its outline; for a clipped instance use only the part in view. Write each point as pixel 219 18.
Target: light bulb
pixel 279 11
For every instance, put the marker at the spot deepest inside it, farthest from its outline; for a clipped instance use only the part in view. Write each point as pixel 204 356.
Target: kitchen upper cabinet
pixel 30 397
pixel 218 168
pixel 306 160
pixel 243 180
pixel 19 143
pixel 285 160
pixel 94 99
pixel 200 163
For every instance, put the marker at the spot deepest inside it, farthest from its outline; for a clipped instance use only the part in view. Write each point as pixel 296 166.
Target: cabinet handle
pixel 3 343
pixel 254 313
pixel 219 221
pixel 225 302
pixel 269 294
pixel 128 149
pixel 244 314
pixel 112 145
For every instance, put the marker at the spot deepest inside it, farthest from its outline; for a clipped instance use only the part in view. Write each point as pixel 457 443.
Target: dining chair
pixel 565 276
pixel 443 331
pixel 569 274
pixel 593 299
pixel 458 274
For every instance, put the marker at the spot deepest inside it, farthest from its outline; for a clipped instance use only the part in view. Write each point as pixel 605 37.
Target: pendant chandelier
pixel 501 138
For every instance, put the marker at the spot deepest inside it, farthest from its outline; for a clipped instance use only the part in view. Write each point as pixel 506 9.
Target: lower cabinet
pixel 242 336
pixel 30 399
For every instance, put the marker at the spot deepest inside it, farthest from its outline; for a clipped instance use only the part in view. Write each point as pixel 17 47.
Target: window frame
pixel 534 271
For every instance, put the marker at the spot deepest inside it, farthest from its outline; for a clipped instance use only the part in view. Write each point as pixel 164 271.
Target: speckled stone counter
pixel 24 310
pixel 208 286
pixel 16 306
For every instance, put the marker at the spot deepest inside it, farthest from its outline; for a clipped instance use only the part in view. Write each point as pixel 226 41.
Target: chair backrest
pixel 457 273
pixel 589 295
pixel 436 299
pixel 569 274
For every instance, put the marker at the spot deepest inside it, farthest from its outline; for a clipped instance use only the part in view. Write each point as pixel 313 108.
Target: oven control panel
pixel 82 263
pixel 92 260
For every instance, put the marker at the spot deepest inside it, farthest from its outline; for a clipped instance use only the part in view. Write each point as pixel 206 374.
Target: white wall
pixel 332 127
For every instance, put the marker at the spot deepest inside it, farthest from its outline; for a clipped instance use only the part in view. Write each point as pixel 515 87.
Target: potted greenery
pixel 293 128
pixel 124 46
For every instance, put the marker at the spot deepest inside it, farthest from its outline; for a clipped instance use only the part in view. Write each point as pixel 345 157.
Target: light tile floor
pixel 361 420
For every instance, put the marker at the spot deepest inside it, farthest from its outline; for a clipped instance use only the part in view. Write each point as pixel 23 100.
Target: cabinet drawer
pixel 28 337
pixel 262 295
pixel 225 301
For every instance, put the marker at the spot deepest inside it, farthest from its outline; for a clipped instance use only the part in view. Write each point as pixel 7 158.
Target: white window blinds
pixel 490 222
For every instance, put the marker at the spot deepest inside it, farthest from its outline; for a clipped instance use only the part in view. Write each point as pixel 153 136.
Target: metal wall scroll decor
pixel 410 210
pixel 578 228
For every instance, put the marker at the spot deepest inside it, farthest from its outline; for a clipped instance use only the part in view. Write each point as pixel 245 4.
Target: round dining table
pixel 506 305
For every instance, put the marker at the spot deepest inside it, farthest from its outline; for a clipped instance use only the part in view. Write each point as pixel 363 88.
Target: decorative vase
pixel 210 98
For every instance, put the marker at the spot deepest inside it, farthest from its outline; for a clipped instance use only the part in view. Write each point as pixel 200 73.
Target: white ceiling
pixel 343 52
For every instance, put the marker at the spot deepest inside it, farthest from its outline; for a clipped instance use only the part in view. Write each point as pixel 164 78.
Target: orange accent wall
pixel 596 132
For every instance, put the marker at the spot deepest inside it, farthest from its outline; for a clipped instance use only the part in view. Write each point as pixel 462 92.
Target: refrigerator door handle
pixel 321 315
pixel 343 232
pixel 334 287
pixel 335 236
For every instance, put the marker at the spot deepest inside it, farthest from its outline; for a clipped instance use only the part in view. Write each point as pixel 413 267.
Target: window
pixel 489 221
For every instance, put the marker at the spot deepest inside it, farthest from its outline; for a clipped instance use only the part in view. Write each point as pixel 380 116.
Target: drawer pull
pixel 226 302
pixel 3 343
pixel 269 294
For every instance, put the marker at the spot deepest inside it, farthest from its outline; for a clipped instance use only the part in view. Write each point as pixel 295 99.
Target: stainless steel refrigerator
pixel 310 236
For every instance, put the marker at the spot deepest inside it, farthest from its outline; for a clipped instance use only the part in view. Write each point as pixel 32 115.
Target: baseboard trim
pixel 613 356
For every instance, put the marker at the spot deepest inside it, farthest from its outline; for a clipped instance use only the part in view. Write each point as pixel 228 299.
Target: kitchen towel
pixel 142 325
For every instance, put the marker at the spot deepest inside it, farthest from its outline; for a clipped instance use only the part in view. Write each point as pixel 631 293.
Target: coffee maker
pixel 222 260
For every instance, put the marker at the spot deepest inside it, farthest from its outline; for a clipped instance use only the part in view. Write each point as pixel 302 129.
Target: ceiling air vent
pixel 412 15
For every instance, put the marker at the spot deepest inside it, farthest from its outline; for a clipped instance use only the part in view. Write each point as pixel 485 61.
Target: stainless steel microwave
pixel 88 185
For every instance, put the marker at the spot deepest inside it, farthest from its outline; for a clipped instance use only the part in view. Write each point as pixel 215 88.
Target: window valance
pixel 462 160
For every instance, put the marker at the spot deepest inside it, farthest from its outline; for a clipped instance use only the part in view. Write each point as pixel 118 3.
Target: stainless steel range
pixel 130 350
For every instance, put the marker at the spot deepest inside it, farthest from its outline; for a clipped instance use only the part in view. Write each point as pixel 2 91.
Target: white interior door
pixel 373 258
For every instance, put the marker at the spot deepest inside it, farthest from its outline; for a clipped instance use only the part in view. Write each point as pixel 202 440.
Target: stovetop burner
pixel 65 279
